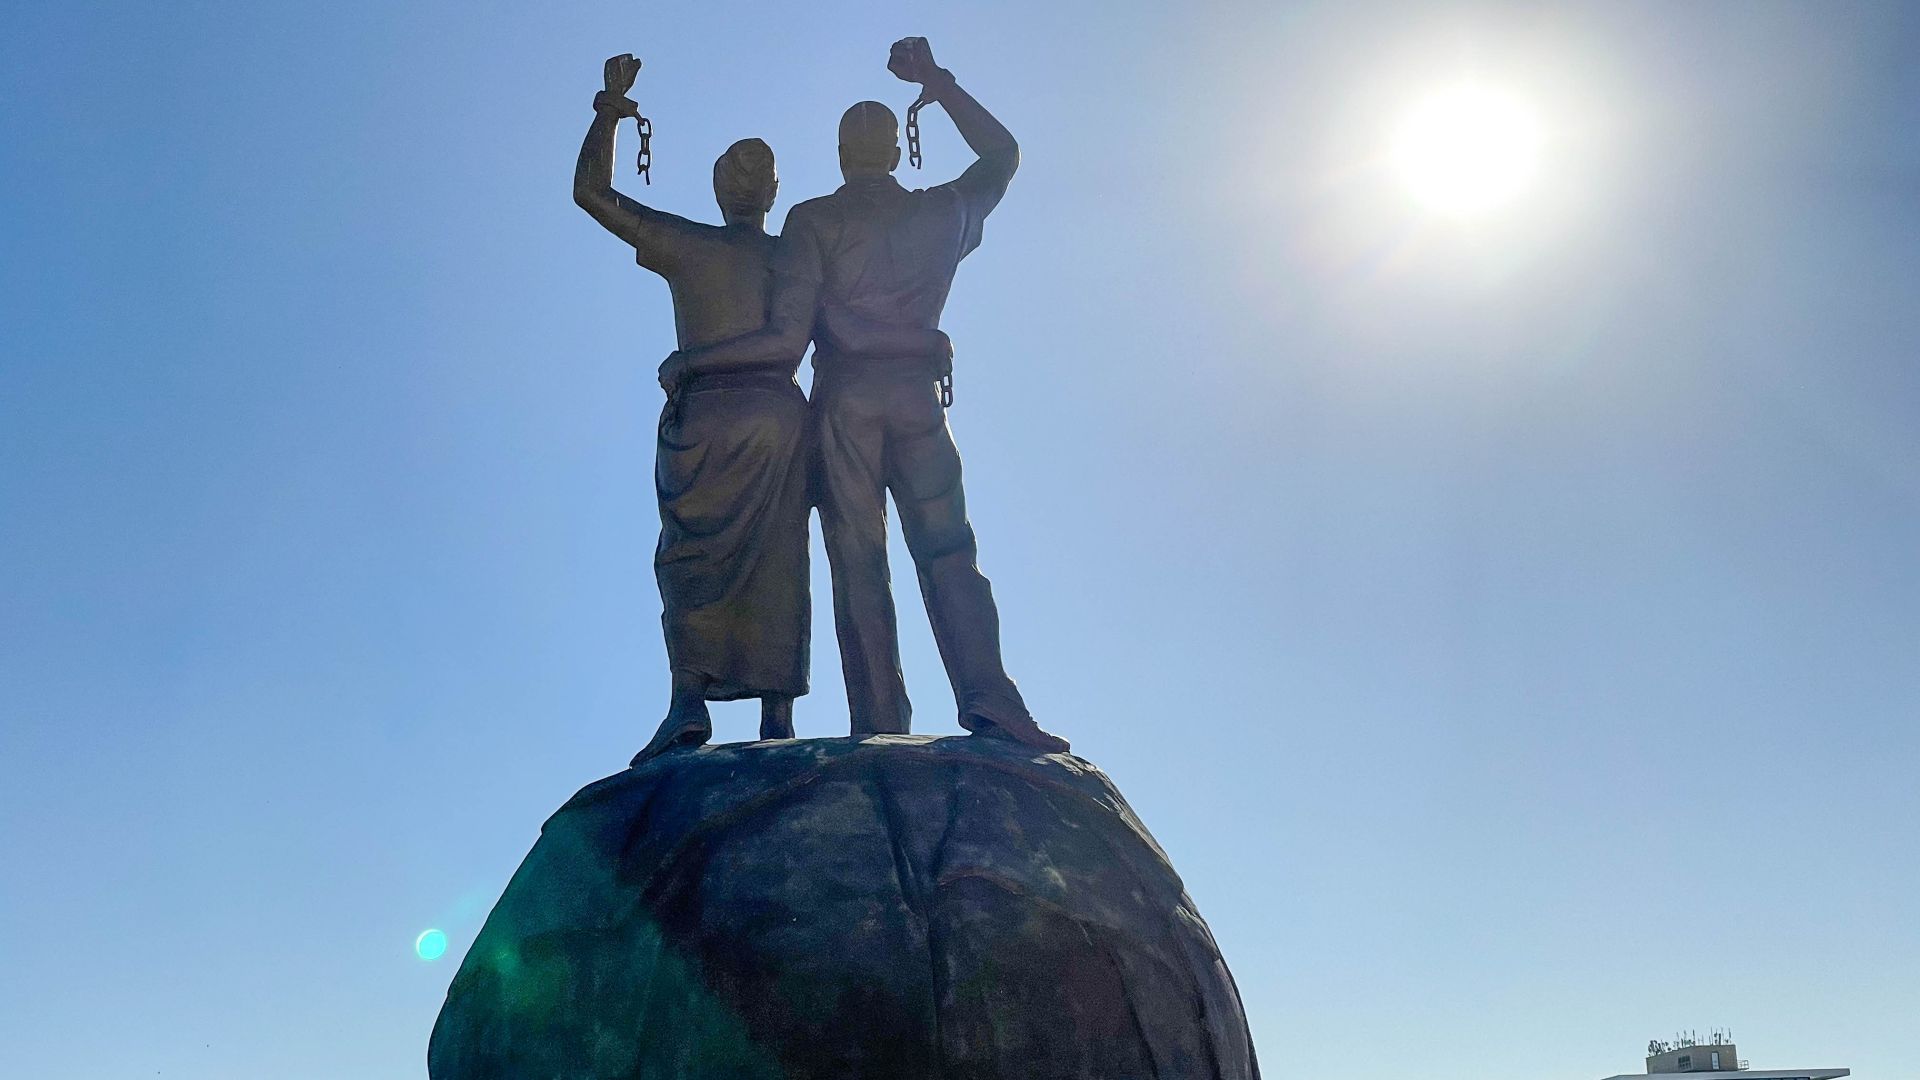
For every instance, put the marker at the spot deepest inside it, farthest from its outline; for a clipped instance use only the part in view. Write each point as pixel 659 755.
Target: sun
pixel 1468 149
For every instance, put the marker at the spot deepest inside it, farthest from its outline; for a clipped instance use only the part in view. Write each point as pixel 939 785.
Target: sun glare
pixel 1467 150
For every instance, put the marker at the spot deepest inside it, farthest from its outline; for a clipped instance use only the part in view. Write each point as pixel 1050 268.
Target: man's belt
pixel 841 366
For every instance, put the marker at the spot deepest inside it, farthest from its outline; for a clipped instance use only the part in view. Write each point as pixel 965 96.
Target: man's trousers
pixel 881 431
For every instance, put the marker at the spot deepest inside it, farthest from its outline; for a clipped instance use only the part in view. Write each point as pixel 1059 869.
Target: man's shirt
pixel 882 252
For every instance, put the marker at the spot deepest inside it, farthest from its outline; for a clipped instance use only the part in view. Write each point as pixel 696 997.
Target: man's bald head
pixel 869 139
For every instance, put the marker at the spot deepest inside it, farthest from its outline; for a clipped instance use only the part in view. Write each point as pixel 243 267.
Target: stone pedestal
pixel 893 908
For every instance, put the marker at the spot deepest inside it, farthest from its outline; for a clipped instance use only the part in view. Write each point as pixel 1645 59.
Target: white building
pixel 1715 1059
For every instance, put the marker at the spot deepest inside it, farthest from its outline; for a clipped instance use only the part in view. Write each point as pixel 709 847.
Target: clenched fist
pixel 912 60
pixel 620 72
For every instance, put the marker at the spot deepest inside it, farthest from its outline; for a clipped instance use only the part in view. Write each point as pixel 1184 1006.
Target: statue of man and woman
pixel 743 456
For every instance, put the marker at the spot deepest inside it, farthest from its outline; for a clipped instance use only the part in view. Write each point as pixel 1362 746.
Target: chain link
pixel 913 132
pixel 914 159
pixel 645 163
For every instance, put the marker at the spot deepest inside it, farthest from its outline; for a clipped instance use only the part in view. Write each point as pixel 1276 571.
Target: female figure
pixel 730 473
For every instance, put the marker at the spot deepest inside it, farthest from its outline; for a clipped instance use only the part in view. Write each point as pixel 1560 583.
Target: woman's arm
pixel 658 238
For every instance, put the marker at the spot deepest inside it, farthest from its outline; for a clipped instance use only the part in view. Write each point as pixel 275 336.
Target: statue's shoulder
pixel 940 194
pixel 819 208
pixel 675 242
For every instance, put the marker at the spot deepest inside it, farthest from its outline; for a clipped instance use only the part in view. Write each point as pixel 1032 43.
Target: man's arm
pixel 798 269
pixel 778 345
pixel 657 237
pixel 985 181
pixel 853 335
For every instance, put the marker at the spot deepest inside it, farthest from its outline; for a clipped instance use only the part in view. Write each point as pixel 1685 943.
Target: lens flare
pixel 431 945
pixel 1467 149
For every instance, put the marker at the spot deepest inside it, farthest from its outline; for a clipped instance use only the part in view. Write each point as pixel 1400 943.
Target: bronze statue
pixel 876 254
pixel 729 469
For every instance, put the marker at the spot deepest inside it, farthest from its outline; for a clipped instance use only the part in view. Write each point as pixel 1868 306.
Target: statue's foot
pixel 776 717
pixel 679 731
pixel 1023 731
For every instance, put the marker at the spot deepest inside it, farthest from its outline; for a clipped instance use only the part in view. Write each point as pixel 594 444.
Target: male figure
pixel 875 252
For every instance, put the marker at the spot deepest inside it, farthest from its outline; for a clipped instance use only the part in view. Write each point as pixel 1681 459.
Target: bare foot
pixel 683 729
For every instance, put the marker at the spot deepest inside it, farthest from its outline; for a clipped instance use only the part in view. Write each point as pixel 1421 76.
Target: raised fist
pixel 912 60
pixel 620 73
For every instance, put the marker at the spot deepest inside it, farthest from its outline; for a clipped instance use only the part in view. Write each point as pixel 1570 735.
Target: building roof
pixel 1745 1074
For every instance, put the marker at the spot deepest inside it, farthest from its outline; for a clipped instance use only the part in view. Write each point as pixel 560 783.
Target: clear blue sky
pixel 1512 630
